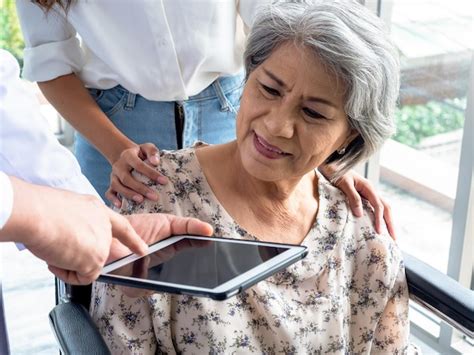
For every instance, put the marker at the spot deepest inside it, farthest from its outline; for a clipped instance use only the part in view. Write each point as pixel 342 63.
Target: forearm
pixel 72 100
pixel 25 223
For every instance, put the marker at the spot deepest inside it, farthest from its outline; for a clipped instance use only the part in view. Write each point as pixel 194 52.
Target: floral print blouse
pixel 348 296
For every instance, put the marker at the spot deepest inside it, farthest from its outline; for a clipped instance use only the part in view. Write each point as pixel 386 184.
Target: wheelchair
pixel 76 333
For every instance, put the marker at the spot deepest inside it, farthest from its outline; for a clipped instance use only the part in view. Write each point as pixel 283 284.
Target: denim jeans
pixel 208 116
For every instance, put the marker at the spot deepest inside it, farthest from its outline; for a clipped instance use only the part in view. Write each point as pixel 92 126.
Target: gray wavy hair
pixel 353 43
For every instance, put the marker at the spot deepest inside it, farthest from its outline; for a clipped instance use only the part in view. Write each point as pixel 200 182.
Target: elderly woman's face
pixel 291 117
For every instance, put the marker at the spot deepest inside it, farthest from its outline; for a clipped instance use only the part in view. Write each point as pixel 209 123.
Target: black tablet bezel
pixel 232 287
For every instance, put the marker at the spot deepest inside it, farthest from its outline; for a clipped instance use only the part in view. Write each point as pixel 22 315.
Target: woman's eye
pixel 270 90
pixel 312 113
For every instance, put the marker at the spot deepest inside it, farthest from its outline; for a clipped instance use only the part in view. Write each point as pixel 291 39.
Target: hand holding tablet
pixel 201 266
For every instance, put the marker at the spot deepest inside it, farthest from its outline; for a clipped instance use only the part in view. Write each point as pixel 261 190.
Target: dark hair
pixel 46 5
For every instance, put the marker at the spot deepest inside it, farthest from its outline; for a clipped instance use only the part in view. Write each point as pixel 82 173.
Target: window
pixel 425 171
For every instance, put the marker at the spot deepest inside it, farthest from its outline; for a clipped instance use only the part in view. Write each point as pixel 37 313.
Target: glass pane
pixel 419 166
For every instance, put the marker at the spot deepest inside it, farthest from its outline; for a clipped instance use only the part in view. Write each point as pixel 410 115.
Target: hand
pixel 356 186
pixel 121 180
pixel 72 233
pixel 152 227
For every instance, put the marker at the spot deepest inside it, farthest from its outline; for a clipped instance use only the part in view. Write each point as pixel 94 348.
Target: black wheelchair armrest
pixel 75 331
pixel 442 295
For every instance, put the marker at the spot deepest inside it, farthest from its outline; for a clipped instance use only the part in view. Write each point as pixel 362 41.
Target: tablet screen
pixel 201 263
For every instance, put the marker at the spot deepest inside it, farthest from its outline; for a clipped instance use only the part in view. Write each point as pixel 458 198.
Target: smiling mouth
pixel 266 149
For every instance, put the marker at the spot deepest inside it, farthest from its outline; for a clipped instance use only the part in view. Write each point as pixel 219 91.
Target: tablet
pixel 202 266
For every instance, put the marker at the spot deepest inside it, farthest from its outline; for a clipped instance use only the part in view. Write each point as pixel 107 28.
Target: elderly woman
pixel 322 81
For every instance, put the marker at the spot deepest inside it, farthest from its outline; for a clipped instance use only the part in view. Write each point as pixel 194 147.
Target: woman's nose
pixel 280 124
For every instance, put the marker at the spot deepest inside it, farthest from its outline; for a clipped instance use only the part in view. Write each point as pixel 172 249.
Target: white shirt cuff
pixel 51 60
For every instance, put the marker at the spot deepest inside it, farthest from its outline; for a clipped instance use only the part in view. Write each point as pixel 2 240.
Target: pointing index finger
pixel 123 231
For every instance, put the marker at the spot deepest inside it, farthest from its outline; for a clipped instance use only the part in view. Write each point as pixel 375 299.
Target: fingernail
pixel 117 203
pixel 137 198
pixel 152 196
pixel 154 159
pixel 162 180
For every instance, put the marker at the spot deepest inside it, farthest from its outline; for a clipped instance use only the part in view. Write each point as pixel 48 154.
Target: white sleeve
pixel 248 9
pixel 6 199
pixel 51 46
pixel 28 148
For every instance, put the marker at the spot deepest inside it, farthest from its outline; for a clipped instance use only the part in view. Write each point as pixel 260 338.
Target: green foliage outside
pixel 11 38
pixel 420 121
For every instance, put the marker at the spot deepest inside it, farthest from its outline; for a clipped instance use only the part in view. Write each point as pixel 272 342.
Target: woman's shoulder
pixel 364 227
pixel 178 161
pixel 176 165
pixel 185 184
pixel 360 243
pixel 336 209
pixel 379 253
